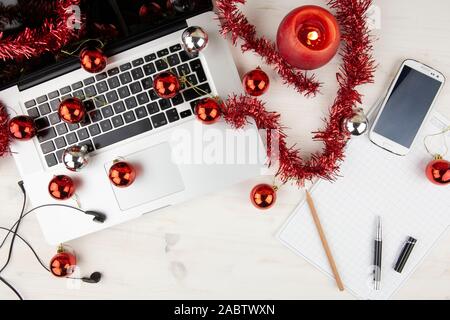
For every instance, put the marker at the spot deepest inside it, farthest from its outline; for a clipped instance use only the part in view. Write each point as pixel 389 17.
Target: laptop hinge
pixel 72 63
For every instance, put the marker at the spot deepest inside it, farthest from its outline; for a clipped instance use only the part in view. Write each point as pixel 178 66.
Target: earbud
pixel 98 217
pixel 95 277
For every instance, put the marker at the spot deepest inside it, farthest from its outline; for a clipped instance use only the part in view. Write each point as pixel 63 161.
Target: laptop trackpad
pixel 157 177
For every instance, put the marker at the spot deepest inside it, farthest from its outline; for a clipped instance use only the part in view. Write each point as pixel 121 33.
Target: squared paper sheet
pixel 374 182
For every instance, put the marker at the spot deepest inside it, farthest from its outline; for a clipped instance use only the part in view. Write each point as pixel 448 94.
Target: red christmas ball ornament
pixel 263 196
pixel 63 263
pixel 256 82
pixel 166 85
pixel 93 60
pixel 208 110
pixel 122 174
pixel 61 187
pixel 22 128
pixel 71 110
pixel 438 171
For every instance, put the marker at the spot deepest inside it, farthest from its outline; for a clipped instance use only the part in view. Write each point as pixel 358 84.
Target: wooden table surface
pixel 219 246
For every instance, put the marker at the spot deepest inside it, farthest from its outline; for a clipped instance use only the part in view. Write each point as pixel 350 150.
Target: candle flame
pixel 313 35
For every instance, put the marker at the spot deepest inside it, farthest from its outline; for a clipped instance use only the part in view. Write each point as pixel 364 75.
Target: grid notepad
pixel 374 182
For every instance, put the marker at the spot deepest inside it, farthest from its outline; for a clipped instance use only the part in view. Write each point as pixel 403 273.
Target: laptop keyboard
pixel 120 103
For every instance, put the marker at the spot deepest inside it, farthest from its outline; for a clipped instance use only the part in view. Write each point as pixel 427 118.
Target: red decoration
pixel 357 68
pixel 4 131
pixel 61 187
pixel 122 174
pixel 208 110
pixel 93 60
pixel 263 196
pixel 256 82
pixel 22 128
pixel 235 23
pixel 63 263
pixel 308 37
pixel 166 85
pixel 438 172
pixel 71 110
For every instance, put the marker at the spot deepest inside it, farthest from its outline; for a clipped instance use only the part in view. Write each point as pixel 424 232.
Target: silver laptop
pixel 178 158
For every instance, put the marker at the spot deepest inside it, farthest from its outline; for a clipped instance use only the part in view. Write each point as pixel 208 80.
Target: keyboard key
pixel 46 134
pixel 65 90
pixel 138 62
pixel 60 142
pixel 149 69
pixel 101 76
pixel 164 104
pixel 175 48
pixel 159 120
pixel 135 87
pixel 105 125
pixel 71 138
pixel 173 60
pixel 88 143
pixel 83 134
pixel 113 82
pixel 51 160
pixel 122 133
pixel 44 109
pixel 53 94
pixel 107 112
pixel 123 92
pixel 150 57
pixel 48 147
pixel 131 103
pixel 89 105
pixel 141 112
pixel 184 69
pixel 59 155
pixel 54 104
pixel 54 118
pixel 125 78
pixel 142 98
pixel 77 85
pixel 192 94
pixel 112 96
pixel 33 112
pixel 79 94
pixel 178 99
pixel 185 56
pixel 161 65
pixel 86 121
pixel 147 83
pixel 88 81
pixel 61 129
pixel 42 99
pixel 197 67
pixel 96 116
pixel 153 95
pixel 185 113
pixel 113 71
pixel 30 104
pixel 153 108
pixel 137 73
pixel 191 80
pixel 90 91
pixel 129 116
pixel 41 123
pixel 73 126
pixel 101 87
pixel 94 130
pixel 119 107
pixel 162 53
pixel 172 115
pixel 67 96
pixel 100 101
pixel 117 121
pixel 125 67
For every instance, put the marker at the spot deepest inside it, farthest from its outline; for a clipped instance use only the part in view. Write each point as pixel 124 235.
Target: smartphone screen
pixel 407 106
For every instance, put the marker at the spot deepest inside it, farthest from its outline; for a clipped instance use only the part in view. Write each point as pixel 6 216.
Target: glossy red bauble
pixel 308 37
pixel 256 82
pixel 22 128
pixel 263 196
pixel 61 187
pixel 63 263
pixel 208 110
pixel 122 174
pixel 166 85
pixel 438 172
pixel 72 110
pixel 93 60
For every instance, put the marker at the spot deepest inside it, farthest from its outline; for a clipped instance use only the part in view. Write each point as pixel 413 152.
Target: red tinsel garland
pixel 357 68
pixel 4 134
pixel 235 23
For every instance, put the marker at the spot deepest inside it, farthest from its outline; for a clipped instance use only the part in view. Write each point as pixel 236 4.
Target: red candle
pixel 308 37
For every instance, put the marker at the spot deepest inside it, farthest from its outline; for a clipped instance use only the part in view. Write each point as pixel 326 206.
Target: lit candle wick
pixel 313 35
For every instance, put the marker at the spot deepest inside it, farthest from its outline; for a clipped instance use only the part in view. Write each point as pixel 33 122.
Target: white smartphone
pixel 406 107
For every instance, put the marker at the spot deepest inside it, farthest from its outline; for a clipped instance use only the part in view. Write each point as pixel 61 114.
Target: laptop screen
pixel 130 19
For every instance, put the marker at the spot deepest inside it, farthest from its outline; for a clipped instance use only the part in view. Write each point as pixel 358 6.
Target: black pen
pixel 377 256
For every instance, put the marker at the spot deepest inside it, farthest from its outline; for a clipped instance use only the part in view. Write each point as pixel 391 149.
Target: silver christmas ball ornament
pixel 356 125
pixel 194 40
pixel 76 158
